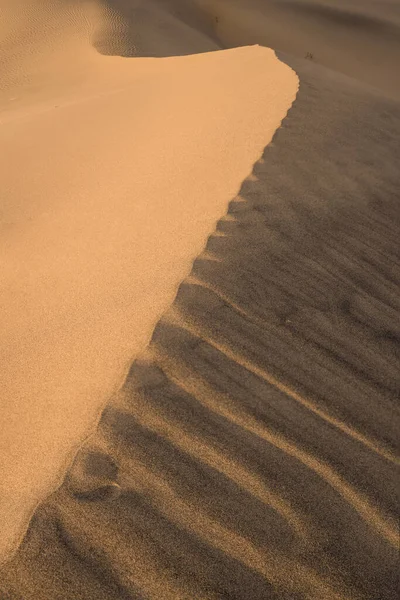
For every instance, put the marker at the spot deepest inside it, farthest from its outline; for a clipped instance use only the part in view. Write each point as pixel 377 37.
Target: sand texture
pixel 252 450
pixel 115 171
pixel 360 38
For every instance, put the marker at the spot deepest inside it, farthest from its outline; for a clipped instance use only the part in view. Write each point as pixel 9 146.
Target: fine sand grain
pixel 252 449
pixel 113 171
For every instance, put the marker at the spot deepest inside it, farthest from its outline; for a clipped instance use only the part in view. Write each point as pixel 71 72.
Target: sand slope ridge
pixel 252 451
pixel 359 39
pixel 238 333
pixel 114 171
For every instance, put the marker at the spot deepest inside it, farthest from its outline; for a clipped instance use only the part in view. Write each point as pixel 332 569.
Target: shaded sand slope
pixel 114 171
pixel 251 453
pixel 155 28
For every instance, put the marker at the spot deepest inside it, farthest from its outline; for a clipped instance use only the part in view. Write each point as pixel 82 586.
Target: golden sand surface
pixel 199 320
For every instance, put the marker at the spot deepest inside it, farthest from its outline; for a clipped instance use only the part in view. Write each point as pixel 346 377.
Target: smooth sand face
pixel 113 171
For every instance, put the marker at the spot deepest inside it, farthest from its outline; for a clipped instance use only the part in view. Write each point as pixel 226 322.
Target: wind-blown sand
pixel 114 172
pixel 252 451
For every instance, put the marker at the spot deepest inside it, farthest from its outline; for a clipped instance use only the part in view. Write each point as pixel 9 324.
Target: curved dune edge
pixel 122 181
pixel 253 448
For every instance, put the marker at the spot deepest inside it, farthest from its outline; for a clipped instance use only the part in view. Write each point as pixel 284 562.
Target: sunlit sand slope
pixel 251 452
pixel 114 172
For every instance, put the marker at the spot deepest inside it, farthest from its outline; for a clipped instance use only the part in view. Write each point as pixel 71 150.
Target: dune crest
pixel 238 332
pixel 115 170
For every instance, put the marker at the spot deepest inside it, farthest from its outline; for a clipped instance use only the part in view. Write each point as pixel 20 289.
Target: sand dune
pixel 358 38
pixel 114 172
pixel 252 451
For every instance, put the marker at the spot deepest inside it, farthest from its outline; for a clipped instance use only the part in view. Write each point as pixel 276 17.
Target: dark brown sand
pixel 251 452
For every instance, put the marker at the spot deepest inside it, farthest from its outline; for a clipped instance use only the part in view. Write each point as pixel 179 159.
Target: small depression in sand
pixel 114 171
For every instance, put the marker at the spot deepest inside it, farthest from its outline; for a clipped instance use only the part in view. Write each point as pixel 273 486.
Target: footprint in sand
pixel 93 477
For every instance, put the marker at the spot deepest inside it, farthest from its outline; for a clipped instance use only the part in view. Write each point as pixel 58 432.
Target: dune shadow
pixel 154 29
